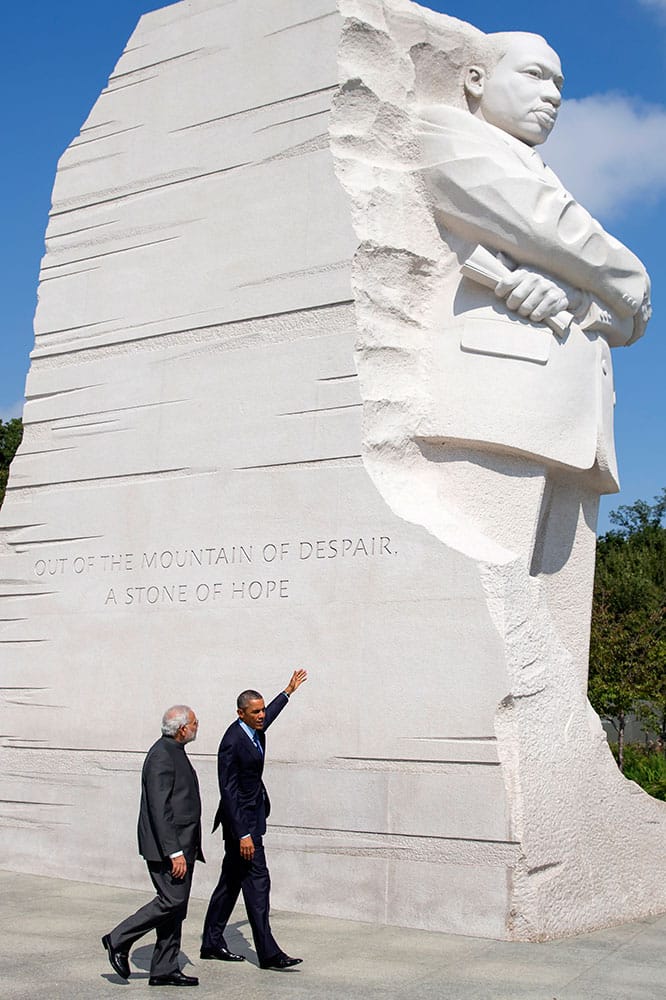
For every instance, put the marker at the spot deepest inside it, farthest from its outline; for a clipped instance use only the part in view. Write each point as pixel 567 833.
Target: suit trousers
pixel 253 879
pixel 164 914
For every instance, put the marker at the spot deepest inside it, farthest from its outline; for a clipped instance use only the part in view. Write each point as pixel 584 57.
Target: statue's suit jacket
pixel 244 804
pixel 498 379
pixel 170 812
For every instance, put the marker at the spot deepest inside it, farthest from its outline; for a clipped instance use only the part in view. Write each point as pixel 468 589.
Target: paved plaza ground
pixel 50 948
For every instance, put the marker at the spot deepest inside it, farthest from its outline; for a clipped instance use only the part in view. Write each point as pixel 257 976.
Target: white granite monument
pixel 322 377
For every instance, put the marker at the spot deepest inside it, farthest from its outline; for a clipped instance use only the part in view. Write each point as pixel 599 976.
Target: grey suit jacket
pixel 170 812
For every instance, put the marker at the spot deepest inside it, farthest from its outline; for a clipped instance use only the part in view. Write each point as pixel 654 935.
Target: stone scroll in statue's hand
pixel 496 272
pixel 501 275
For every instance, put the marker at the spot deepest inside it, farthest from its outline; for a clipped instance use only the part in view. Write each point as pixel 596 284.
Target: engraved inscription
pixel 230 573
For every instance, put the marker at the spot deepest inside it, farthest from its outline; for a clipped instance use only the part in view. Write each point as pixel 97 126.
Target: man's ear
pixel 474 82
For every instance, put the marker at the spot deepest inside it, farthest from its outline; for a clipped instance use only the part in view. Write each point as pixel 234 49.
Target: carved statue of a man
pixel 529 293
pixel 488 181
pixel 530 405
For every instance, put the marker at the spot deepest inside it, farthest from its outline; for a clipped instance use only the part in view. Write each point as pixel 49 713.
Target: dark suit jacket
pixel 244 803
pixel 170 813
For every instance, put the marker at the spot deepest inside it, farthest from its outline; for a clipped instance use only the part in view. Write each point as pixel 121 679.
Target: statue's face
pixel 523 93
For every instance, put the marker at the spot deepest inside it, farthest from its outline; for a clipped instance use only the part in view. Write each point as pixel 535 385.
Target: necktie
pixel 257 743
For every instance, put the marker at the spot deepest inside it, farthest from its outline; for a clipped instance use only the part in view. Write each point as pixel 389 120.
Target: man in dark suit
pixel 169 833
pixel 243 810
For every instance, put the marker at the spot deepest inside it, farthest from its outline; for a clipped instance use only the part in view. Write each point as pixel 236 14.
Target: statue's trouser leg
pixel 563 560
pixel 496 494
pixel 546 516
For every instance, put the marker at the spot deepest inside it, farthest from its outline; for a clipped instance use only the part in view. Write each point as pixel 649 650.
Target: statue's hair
pixel 245 697
pixel 495 46
pixel 174 718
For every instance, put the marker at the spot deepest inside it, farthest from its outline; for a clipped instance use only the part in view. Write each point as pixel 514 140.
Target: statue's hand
pixel 531 295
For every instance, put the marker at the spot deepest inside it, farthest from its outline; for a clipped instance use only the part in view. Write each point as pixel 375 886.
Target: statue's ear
pixel 474 82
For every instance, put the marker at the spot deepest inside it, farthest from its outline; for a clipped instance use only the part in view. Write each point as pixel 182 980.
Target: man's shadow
pixel 140 958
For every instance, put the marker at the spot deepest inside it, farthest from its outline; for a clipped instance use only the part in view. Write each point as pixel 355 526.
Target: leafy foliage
pixel 628 635
pixel 646 767
pixel 11 433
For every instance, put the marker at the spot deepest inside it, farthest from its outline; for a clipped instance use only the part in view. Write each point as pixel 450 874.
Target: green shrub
pixel 11 433
pixel 645 766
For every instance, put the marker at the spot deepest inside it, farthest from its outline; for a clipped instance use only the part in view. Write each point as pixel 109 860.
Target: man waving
pixel 243 810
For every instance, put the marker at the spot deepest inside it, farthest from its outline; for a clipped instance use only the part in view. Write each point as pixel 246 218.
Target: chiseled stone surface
pixel 201 502
pixel 488 409
pixel 189 513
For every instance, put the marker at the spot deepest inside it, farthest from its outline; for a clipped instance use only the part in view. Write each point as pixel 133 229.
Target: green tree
pixel 11 433
pixel 628 635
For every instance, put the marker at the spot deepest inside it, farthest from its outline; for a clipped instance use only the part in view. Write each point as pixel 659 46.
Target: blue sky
pixel 57 57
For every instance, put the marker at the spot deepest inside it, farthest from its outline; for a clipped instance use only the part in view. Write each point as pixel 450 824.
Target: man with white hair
pixel 169 834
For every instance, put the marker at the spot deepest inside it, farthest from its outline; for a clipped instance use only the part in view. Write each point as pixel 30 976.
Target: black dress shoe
pixel 221 954
pixel 280 962
pixel 118 959
pixel 174 979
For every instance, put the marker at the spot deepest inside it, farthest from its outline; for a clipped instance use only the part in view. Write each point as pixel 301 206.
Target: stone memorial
pixel 322 378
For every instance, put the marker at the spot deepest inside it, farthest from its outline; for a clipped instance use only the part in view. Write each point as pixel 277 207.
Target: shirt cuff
pixel 178 854
pixel 285 694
